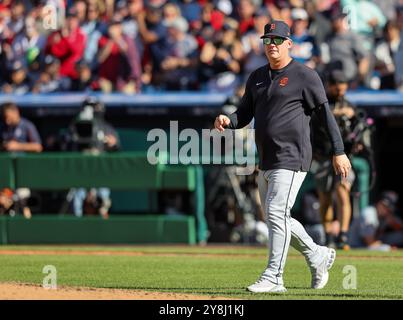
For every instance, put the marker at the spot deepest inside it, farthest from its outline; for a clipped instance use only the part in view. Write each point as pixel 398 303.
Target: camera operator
pixel 89 132
pixel 325 179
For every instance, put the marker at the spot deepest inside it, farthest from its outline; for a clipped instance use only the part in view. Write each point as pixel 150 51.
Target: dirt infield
pixel 14 291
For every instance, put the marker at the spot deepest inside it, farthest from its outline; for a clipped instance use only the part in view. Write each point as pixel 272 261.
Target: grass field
pixel 211 270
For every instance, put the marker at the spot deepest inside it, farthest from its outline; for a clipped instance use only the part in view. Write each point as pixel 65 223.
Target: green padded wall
pixel 94 230
pixel 6 171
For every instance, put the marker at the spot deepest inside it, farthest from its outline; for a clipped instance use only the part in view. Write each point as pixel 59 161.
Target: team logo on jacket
pixel 283 81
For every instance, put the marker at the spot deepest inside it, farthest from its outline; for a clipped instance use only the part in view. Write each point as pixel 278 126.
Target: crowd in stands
pixel 134 46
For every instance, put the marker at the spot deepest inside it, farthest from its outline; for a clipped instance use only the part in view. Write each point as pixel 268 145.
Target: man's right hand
pixel 221 122
pixel 341 165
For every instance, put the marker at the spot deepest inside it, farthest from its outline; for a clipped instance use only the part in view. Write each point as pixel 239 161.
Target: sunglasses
pixel 275 40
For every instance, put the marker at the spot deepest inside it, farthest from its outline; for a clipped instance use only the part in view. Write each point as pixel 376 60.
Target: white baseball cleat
pixel 320 275
pixel 264 285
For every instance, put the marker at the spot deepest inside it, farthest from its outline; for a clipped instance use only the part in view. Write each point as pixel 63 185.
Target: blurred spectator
pixel 320 12
pixel 365 19
pixel 93 28
pixel 385 52
pixel 103 9
pixel 85 81
pixel 252 45
pixel 224 7
pixel 205 28
pixel 346 51
pixel 16 22
pixel 304 48
pixel 155 38
pixel 246 10
pixel 399 53
pixel 387 7
pixel 128 12
pixel 119 61
pixel 378 227
pixel 15 202
pixel 80 8
pixel 50 79
pixel 108 8
pixel 179 66
pixel 191 11
pixel 170 13
pixel 280 10
pixel 18 135
pixel 221 61
pixel 67 45
pixel 26 41
pixel 7 205
pixel 19 82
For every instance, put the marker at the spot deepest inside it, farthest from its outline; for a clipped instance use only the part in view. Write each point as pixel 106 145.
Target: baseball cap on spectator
pixel 230 24
pixel 16 66
pixel 121 4
pixel 49 59
pixel 299 14
pixel 337 14
pixel 81 64
pixel 225 6
pixel 276 28
pixel 389 199
pixel 180 24
pixel 337 76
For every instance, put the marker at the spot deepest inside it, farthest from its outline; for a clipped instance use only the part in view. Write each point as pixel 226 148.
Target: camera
pixel 87 130
pixel 356 130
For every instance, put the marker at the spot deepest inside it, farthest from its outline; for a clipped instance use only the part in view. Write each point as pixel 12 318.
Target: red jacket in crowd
pixel 68 49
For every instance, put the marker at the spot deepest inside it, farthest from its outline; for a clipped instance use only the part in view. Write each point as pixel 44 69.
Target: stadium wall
pixel 45 229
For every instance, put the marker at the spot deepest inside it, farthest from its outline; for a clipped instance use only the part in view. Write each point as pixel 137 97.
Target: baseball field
pixel 186 272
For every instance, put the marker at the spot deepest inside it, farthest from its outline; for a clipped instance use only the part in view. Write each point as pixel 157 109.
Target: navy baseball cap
pixel 337 76
pixel 277 28
pixel 337 15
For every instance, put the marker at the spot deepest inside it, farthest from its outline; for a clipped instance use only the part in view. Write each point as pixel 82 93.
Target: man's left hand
pixel 341 165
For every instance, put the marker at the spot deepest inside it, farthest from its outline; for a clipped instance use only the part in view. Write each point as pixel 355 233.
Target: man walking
pixel 281 96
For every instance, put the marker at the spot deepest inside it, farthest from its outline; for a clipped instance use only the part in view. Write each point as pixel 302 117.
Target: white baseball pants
pixel 278 190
